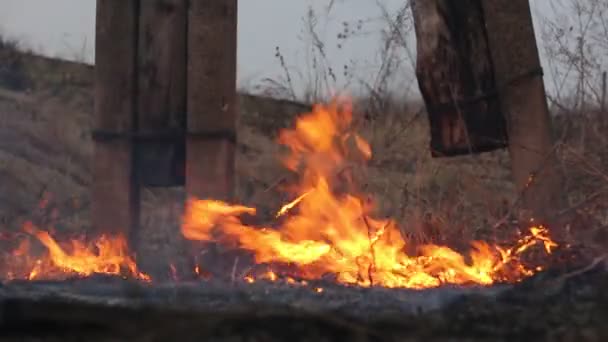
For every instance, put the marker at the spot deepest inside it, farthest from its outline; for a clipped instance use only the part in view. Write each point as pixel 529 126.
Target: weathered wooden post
pixel 115 194
pixel 212 43
pixel 535 170
pixel 140 106
pixel 161 77
pixel 480 76
pixel 211 141
pixel 165 104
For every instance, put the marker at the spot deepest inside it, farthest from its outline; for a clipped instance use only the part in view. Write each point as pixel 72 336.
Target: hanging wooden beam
pixel 515 55
pixel 456 78
pixel 212 38
pixel 115 202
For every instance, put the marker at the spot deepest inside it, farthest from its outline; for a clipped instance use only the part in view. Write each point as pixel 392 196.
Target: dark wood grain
pixel 162 89
pixel 211 98
pixel 115 203
pixel 456 78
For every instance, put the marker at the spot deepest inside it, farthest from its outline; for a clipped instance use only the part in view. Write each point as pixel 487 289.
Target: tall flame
pixel 329 228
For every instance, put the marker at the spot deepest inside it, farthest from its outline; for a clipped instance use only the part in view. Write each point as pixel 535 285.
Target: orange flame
pixel 107 255
pixel 333 232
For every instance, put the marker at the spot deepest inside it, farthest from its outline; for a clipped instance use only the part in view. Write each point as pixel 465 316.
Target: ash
pixel 554 305
pixel 316 297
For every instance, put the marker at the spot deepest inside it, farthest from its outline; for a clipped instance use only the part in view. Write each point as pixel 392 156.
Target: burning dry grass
pixel 107 255
pixel 46 147
pixel 330 228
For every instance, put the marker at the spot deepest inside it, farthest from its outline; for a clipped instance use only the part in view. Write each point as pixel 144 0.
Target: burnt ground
pixel 551 306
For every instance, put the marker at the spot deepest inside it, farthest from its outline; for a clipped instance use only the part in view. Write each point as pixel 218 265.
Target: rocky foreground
pixel 552 306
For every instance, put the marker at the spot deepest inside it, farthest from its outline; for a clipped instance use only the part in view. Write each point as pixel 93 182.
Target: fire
pixel 107 255
pixel 329 228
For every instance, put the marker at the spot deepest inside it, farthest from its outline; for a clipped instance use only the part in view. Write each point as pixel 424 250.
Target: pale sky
pixel 66 28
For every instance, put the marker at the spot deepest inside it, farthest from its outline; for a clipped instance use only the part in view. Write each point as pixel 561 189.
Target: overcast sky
pixel 66 28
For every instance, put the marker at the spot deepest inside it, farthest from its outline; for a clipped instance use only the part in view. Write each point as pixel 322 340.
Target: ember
pixel 328 229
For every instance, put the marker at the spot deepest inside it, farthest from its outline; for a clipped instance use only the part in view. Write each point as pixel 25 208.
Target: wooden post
pixel 514 54
pixel 210 149
pixel 162 90
pixel 115 202
pixel 156 61
pixel 210 145
pixel 161 115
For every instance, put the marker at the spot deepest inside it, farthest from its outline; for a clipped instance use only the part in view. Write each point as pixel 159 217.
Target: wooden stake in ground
pixel 162 91
pixel 516 61
pixel 210 161
pixel 115 202
pixel 161 116
pixel 211 140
